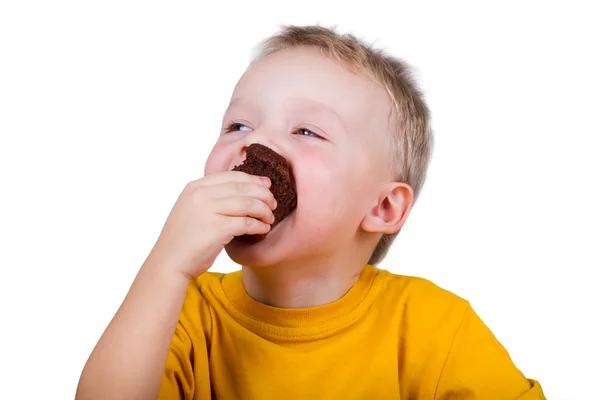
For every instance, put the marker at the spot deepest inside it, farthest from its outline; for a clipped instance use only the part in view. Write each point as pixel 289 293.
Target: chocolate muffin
pixel 262 161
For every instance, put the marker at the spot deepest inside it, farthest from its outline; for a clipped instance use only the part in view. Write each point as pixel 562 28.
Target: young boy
pixel 309 316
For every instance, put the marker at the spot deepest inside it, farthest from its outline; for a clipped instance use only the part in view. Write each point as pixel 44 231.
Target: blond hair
pixel 411 136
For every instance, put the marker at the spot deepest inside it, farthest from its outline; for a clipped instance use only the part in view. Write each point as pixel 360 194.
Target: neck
pixel 303 284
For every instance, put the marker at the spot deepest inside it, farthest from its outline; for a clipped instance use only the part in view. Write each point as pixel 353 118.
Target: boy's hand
pixel 207 215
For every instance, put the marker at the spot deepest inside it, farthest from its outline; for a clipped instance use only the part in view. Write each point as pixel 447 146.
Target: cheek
pixel 217 160
pixel 329 196
pixel 336 190
pixel 333 178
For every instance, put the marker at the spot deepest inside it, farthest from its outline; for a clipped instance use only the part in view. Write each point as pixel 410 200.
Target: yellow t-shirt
pixel 389 337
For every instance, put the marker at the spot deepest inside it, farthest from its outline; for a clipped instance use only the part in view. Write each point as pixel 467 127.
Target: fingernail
pixel 265 181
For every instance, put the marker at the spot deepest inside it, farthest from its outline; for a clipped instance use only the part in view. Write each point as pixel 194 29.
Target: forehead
pixel 303 77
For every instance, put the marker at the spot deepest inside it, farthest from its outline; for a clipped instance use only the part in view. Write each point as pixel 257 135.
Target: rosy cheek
pixel 214 161
pixel 209 167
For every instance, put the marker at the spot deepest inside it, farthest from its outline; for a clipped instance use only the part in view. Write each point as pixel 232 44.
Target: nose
pixel 260 138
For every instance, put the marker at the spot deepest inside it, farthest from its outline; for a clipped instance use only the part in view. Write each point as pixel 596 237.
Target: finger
pixel 231 176
pixel 245 207
pixel 243 189
pixel 247 226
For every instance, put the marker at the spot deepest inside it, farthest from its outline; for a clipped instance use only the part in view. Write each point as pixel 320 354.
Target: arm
pixel 128 361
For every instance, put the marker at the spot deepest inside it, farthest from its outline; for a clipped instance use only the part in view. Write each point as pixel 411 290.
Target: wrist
pixel 165 270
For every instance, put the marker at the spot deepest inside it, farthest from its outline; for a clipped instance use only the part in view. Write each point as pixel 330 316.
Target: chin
pixel 246 254
pixel 289 242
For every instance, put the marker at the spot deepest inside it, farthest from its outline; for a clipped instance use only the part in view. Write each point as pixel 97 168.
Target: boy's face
pixel 332 126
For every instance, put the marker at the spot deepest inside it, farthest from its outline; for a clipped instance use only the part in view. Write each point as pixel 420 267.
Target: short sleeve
pixel 186 375
pixel 478 367
pixel 178 378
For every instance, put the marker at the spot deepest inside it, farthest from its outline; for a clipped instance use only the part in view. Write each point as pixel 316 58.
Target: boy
pixel 309 316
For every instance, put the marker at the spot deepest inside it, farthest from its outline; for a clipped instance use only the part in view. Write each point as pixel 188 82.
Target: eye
pixel 236 126
pixel 306 132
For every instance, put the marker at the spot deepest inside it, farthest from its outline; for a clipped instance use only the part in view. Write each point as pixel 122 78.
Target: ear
pixel 391 210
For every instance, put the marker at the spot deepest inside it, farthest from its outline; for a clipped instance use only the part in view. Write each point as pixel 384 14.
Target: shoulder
pixel 420 294
pixel 425 309
pixel 201 285
pixel 206 281
pixel 196 308
pixel 426 319
pixel 451 347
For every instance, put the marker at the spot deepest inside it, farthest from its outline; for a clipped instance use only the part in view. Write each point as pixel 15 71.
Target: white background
pixel 108 108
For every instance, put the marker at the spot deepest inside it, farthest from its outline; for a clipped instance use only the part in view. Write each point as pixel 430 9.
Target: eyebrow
pixel 310 106
pixel 313 106
pixel 233 103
